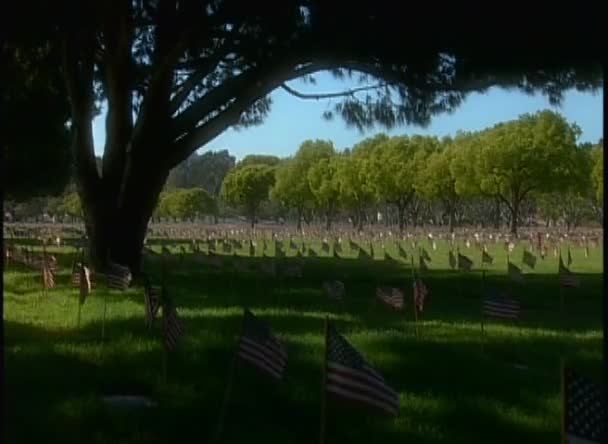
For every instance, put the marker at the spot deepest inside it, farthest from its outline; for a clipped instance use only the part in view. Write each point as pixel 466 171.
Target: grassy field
pixel 450 391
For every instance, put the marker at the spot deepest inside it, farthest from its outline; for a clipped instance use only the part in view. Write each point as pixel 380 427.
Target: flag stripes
pixel 119 277
pixel 174 328
pixel 259 346
pixel 390 296
pixel 585 413
pixel 501 308
pixel 348 375
pixel 420 294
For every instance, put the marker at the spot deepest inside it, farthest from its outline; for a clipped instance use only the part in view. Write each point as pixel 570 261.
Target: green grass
pixel 450 391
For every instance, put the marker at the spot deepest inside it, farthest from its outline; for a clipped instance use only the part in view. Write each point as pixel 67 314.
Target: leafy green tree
pixel 393 167
pixel 175 75
pixel 205 171
pixel 536 153
pixel 355 190
pixel 258 159
pixel 325 188
pixel 71 205
pixel 597 157
pixel 292 188
pixel 435 181
pixel 248 187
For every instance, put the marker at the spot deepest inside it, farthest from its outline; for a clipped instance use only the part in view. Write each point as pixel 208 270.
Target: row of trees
pixel 519 169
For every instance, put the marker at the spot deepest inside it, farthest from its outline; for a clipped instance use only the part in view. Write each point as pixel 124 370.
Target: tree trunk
pixel 514 217
pixel 328 221
pixel 401 216
pixel 299 227
pixel 116 230
pixel 497 213
pixel 452 219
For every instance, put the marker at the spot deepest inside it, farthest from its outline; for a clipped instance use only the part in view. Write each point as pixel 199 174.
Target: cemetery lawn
pixel 450 391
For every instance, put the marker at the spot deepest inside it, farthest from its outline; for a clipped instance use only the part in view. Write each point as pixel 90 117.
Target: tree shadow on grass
pixel 465 386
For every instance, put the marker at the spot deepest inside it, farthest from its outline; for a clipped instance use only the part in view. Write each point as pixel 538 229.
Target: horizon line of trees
pixel 518 172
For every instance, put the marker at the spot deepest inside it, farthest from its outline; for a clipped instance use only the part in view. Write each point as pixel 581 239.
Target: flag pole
pixel 564 401
pixel 323 388
pixel 414 299
pixel 103 321
pixel 228 390
pixel 482 331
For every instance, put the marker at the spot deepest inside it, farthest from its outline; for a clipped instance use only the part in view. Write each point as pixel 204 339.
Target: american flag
pixel 325 247
pixel 348 375
pixel 152 299
pixel 422 265
pixel 48 277
pixel 464 263
pixel 500 307
pixel 425 255
pixel 84 282
pixel 585 412
pixel 174 328
pixel 390 296
pixel 567 279
pixel 420 294
pixel 259 346
pixel 529 259
pixel 515 273
pixel 119 277
pixel 452 260
pixel 486 258
pixel 334 289
pixel 402 252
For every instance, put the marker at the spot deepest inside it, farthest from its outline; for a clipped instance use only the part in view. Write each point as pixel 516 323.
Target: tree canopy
pixel 248 187
pixel 175 75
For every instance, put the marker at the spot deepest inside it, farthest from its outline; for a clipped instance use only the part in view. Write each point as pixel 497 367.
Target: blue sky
pixel 293 120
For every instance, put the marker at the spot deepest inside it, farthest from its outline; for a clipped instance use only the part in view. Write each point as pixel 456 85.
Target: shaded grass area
pixel 450 391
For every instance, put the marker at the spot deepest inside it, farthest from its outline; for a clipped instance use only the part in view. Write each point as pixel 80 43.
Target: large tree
pixel 533 154
pixel 175 75
pixel 393 167
pixel 436 181
pixel 248 187
pixel 292 189
pixel 323 182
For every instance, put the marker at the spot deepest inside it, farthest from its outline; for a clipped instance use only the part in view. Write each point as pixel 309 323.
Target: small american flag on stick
pixel 152 299
pixel 567 279
pixel 486 258
pixel 349 376
pixel 464 263
pixel 119 277
pixel 260 346
pixel 452 260
pixel 529 259
pixel 174 328
pixel 500 308
pixel 515 273
pixel 420 294
pixel 84 282
pixel 390 296
pixel 48 277
pixel 585 413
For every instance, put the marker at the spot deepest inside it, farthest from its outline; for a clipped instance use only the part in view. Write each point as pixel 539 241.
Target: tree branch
pixel 350 92
pixel 118 36
pixel 78 54
pixel 187 120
